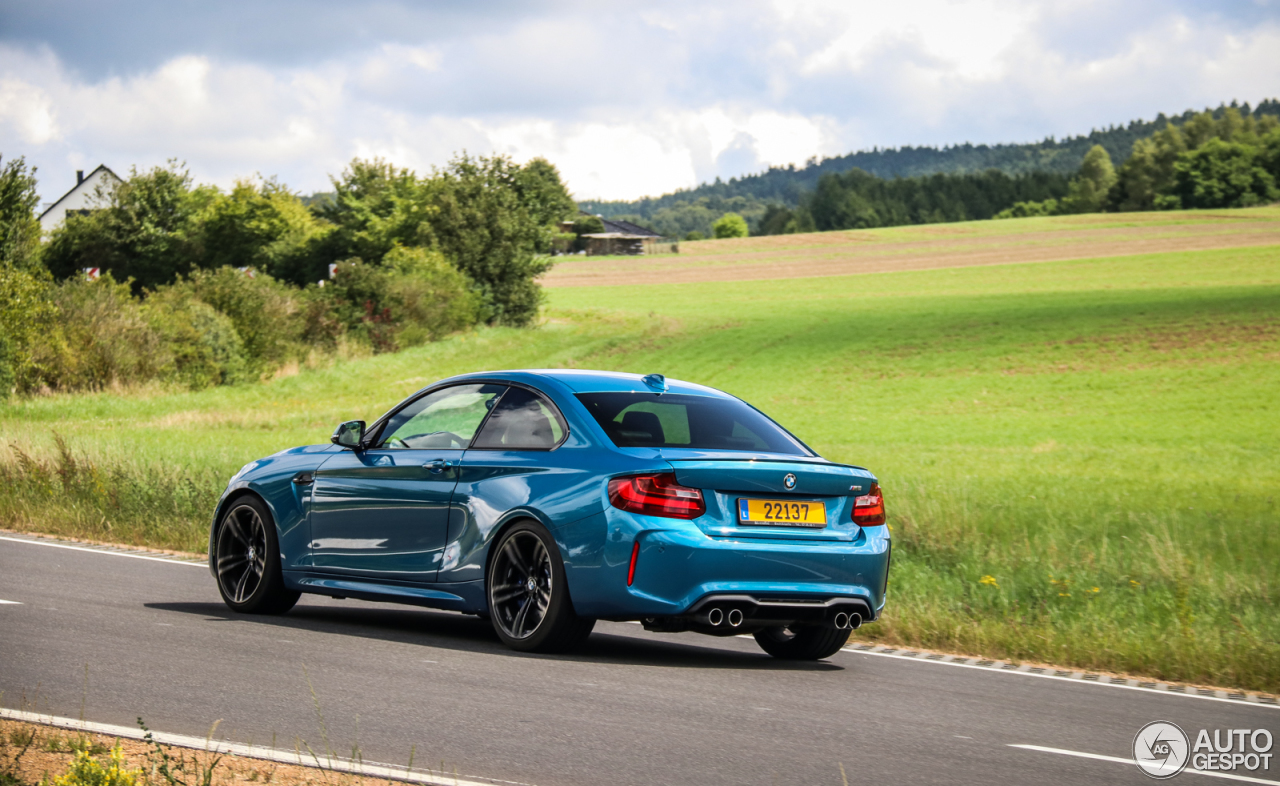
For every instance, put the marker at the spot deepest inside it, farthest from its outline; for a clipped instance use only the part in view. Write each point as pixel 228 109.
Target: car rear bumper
pixel 679 567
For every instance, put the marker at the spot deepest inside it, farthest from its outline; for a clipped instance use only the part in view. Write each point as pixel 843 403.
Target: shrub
pixel 203 343
pixel 730 225
pixel 266 313
pixel 428 297
pixel 99 338
pixel 26 312
pixel 695 235
pixel 1049 207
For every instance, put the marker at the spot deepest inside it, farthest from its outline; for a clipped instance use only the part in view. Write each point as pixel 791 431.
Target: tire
pixel 528 595
pixel 802 643
pixel 247 560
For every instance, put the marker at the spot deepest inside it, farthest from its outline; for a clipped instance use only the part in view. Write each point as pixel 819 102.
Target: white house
pixel 78 199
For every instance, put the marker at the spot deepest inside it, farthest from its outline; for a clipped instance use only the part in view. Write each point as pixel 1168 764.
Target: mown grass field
pixel 1081 458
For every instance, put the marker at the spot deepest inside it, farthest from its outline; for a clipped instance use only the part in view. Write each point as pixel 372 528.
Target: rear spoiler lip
pixel 773 458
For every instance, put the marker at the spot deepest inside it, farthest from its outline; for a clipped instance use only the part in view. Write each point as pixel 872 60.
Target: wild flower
pixel 990 581
pixel 87 771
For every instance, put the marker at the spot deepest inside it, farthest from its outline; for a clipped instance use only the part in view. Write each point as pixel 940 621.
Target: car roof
pixel 584 381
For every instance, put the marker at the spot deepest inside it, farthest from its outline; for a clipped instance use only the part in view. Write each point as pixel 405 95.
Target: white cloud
pixel 631 105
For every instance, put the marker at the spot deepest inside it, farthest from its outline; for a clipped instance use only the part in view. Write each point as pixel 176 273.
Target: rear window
pixel 648 420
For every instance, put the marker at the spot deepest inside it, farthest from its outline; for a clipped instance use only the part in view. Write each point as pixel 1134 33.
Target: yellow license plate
pixel 782 512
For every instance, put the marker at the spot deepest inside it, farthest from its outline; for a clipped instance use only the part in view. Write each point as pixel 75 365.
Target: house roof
pixel 614 226
pixel 101 167
pixel 627 228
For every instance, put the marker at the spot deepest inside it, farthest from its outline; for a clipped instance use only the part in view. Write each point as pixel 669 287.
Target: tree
pixel 1088 190
pixel 266 227
pixel 145 229
pixel 375 207
pixel 1222 174
pixel 484 226
pixel 19 227
pixel 544 194
pixel 729 225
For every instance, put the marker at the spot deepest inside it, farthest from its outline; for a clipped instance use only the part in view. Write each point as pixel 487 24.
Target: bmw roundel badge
pixel 789 482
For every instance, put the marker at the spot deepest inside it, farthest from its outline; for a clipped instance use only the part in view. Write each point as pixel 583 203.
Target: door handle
pixel 304 478
pixel 436 466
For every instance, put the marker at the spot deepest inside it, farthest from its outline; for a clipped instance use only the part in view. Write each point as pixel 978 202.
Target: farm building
pixel 624 238
pixel 80 199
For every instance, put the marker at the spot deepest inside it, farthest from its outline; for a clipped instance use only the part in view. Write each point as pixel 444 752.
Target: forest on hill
pixel 751 196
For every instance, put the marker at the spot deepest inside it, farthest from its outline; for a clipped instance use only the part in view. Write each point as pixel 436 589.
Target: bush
pixel 415 297
pixel 26 313
pixel 695 235
pixel 266 313
pixel 730 225
pixel 99 338
pixel 1049 207
pixel 203 343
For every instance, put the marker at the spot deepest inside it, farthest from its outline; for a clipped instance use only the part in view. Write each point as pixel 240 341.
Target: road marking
pixel 365 769
pixel 101 551
pixel 1132 763
pixel 1072 680
pixel 10 603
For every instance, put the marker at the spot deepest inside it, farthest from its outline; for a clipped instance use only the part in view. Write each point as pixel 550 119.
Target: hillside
pixel 784 185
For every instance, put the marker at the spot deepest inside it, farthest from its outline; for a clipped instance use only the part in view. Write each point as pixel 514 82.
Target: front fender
pixel 271 479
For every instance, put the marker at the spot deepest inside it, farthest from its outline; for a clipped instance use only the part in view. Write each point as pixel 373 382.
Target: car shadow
pixel 446 630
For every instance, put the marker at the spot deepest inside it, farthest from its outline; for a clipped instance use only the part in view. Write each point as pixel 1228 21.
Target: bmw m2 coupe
pixel 546 500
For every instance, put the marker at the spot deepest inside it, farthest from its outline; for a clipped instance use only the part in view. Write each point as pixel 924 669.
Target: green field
pixel 1080 458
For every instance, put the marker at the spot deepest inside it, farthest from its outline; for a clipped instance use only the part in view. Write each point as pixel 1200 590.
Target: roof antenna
pixel 655 381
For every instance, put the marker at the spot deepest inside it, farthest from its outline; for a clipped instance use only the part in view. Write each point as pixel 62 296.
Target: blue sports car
pixel 545 500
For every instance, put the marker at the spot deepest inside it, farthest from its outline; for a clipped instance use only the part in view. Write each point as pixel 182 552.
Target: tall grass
pixel 122 501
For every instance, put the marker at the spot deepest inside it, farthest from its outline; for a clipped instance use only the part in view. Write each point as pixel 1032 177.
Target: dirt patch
pixel 49 751
pixel 873 251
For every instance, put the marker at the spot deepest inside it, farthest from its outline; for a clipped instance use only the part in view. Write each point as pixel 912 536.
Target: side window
pixel 447 418
pixel 522 420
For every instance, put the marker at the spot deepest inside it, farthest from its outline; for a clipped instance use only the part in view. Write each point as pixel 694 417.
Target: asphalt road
pixel 630 708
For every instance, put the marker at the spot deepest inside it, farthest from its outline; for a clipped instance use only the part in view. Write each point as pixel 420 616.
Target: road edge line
pixel 1073 680
pixel 35 542
pixel 1132 763
pixel 389 772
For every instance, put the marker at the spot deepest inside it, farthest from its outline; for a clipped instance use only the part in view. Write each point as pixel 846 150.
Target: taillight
pixel 868 510
pixel 656 495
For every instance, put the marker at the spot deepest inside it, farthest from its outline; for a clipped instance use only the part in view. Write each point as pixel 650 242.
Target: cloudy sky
pixel 627 99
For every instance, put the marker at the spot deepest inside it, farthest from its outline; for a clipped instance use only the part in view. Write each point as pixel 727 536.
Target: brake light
pixel 868 510
pixel 656 495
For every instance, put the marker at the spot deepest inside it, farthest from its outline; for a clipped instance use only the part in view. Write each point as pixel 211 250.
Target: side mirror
pixel 349 435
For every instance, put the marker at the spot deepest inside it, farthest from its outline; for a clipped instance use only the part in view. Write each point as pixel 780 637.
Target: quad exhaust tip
pixel 715 616
pixel 735 617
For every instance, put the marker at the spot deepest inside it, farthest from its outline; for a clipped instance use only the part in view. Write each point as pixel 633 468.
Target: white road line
pixel 10 603
pixel 1072 680
pixel 366 769
pixel 101 551
pixel 1132 763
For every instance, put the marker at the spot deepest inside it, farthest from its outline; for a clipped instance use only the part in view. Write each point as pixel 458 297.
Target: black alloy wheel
pixel 529 602
pixel 247 560
pixel 808 642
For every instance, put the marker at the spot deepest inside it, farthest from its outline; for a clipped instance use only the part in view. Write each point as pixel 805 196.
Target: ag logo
pixel 789 482
pixel 1160 749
